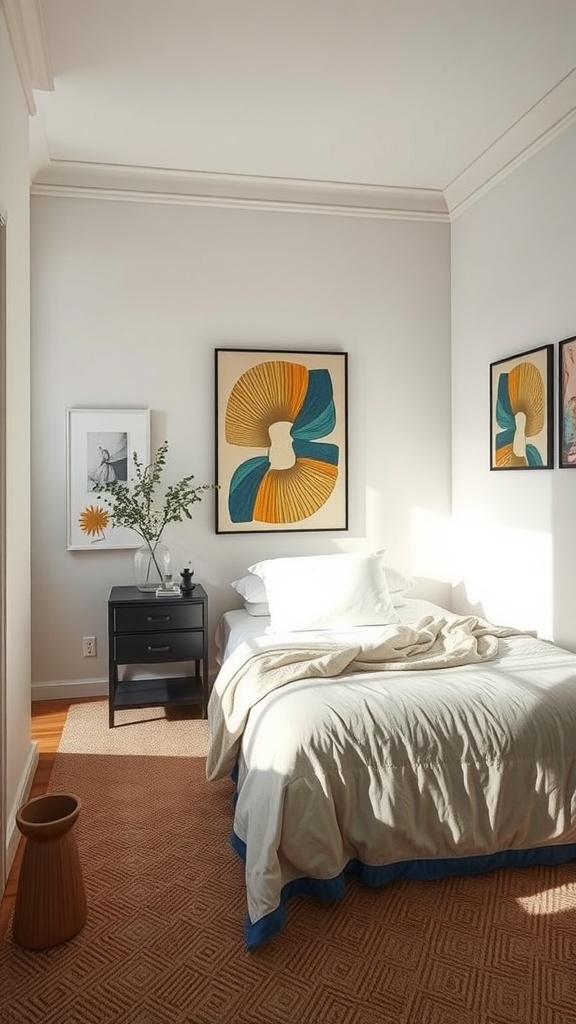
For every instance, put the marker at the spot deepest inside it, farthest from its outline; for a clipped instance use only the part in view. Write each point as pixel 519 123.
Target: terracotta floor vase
pixel 50 902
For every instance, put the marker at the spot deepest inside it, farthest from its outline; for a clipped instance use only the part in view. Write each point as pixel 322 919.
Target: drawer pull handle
pixel 166 647
pixel 158 618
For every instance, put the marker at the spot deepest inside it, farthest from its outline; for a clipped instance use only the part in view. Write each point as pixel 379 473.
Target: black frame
pixel 566 392
pixel 230 366
pixel 545 364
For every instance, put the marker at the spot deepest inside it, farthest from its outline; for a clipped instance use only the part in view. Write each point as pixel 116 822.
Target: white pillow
pixel 397 582
pixel 251 588
pixel 257 607
pixel 326 591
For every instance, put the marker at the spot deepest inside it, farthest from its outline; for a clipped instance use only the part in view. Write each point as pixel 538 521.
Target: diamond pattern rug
pixel 163 943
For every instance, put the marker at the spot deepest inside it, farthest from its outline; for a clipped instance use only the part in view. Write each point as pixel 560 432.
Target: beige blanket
pixel 257 668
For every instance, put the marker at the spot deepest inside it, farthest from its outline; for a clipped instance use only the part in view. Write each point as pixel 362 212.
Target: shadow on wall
pixel 462 605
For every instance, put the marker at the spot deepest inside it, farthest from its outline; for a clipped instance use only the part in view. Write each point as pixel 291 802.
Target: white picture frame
pixel 100 445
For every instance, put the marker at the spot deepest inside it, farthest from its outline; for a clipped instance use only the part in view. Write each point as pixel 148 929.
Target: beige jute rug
pixel 171 732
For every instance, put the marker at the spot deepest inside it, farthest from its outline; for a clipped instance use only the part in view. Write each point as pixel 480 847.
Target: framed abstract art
pixel 567 404
pixel 100 446
pixel 281 441
pixel 521 410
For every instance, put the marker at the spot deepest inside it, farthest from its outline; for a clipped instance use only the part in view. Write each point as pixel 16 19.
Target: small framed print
pixel 100 447
pixel 567 404
pixel 281 441
pixel 521 410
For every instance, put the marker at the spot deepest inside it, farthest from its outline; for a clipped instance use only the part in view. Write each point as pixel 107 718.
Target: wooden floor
pixel 48 719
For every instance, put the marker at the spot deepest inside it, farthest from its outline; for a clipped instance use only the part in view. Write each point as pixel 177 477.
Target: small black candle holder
pixel 187 586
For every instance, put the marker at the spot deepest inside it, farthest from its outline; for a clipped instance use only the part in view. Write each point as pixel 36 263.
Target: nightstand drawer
pixel 154 617
pixel 129 650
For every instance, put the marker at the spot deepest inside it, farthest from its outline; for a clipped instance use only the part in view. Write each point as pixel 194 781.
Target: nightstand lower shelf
pixel 142 693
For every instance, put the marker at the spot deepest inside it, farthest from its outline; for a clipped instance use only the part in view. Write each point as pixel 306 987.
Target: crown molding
pixel 547 118
pixel 27 34
pixel 552 114
pixel 154 185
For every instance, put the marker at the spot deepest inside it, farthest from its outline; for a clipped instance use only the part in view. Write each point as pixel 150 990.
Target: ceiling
pixel 407 105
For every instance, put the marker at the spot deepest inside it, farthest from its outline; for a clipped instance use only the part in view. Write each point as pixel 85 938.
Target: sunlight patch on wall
pixel 431 545
pixel 508 570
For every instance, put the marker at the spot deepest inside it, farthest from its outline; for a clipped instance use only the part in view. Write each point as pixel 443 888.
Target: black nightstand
pixel 147 630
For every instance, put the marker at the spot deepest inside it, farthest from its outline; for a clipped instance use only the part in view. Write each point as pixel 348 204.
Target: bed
pixel 424 745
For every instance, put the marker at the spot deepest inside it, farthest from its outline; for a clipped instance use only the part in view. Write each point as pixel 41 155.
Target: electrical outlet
pixel 89 646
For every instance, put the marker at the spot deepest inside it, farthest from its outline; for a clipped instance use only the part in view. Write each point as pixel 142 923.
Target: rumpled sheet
pixel 344 757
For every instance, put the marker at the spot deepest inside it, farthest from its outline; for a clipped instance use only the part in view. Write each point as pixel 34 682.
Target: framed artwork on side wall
pixel 281 441
pixel 567 404
pixel 521 410
pixel 100 448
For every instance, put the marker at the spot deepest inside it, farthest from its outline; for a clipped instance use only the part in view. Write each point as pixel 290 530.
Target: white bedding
pixel 237 626
pixel 387 772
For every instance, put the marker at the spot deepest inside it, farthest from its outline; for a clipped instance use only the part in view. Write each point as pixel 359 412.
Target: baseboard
pixel 26 779
pixel 69 689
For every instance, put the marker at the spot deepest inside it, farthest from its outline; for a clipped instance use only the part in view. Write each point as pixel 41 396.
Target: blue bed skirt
pixel 424 870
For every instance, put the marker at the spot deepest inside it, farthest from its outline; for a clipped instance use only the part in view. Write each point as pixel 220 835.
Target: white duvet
pixel 374 752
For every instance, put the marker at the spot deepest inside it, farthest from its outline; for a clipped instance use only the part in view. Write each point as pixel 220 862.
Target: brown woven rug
pixel 163 943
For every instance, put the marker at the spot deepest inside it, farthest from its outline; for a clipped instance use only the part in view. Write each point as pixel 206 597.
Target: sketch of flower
pixel 93 520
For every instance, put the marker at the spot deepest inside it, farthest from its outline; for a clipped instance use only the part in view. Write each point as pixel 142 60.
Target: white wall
pixel 129 302
pixel 513 288
pixel 14 203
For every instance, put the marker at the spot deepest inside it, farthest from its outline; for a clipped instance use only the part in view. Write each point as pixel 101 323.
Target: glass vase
pixel 152 563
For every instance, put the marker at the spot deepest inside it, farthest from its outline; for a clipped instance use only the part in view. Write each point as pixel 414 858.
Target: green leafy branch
pixel 137 507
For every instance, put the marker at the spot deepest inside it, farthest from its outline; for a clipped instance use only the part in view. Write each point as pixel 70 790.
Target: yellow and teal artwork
pixel 521 399
pixel 281 440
